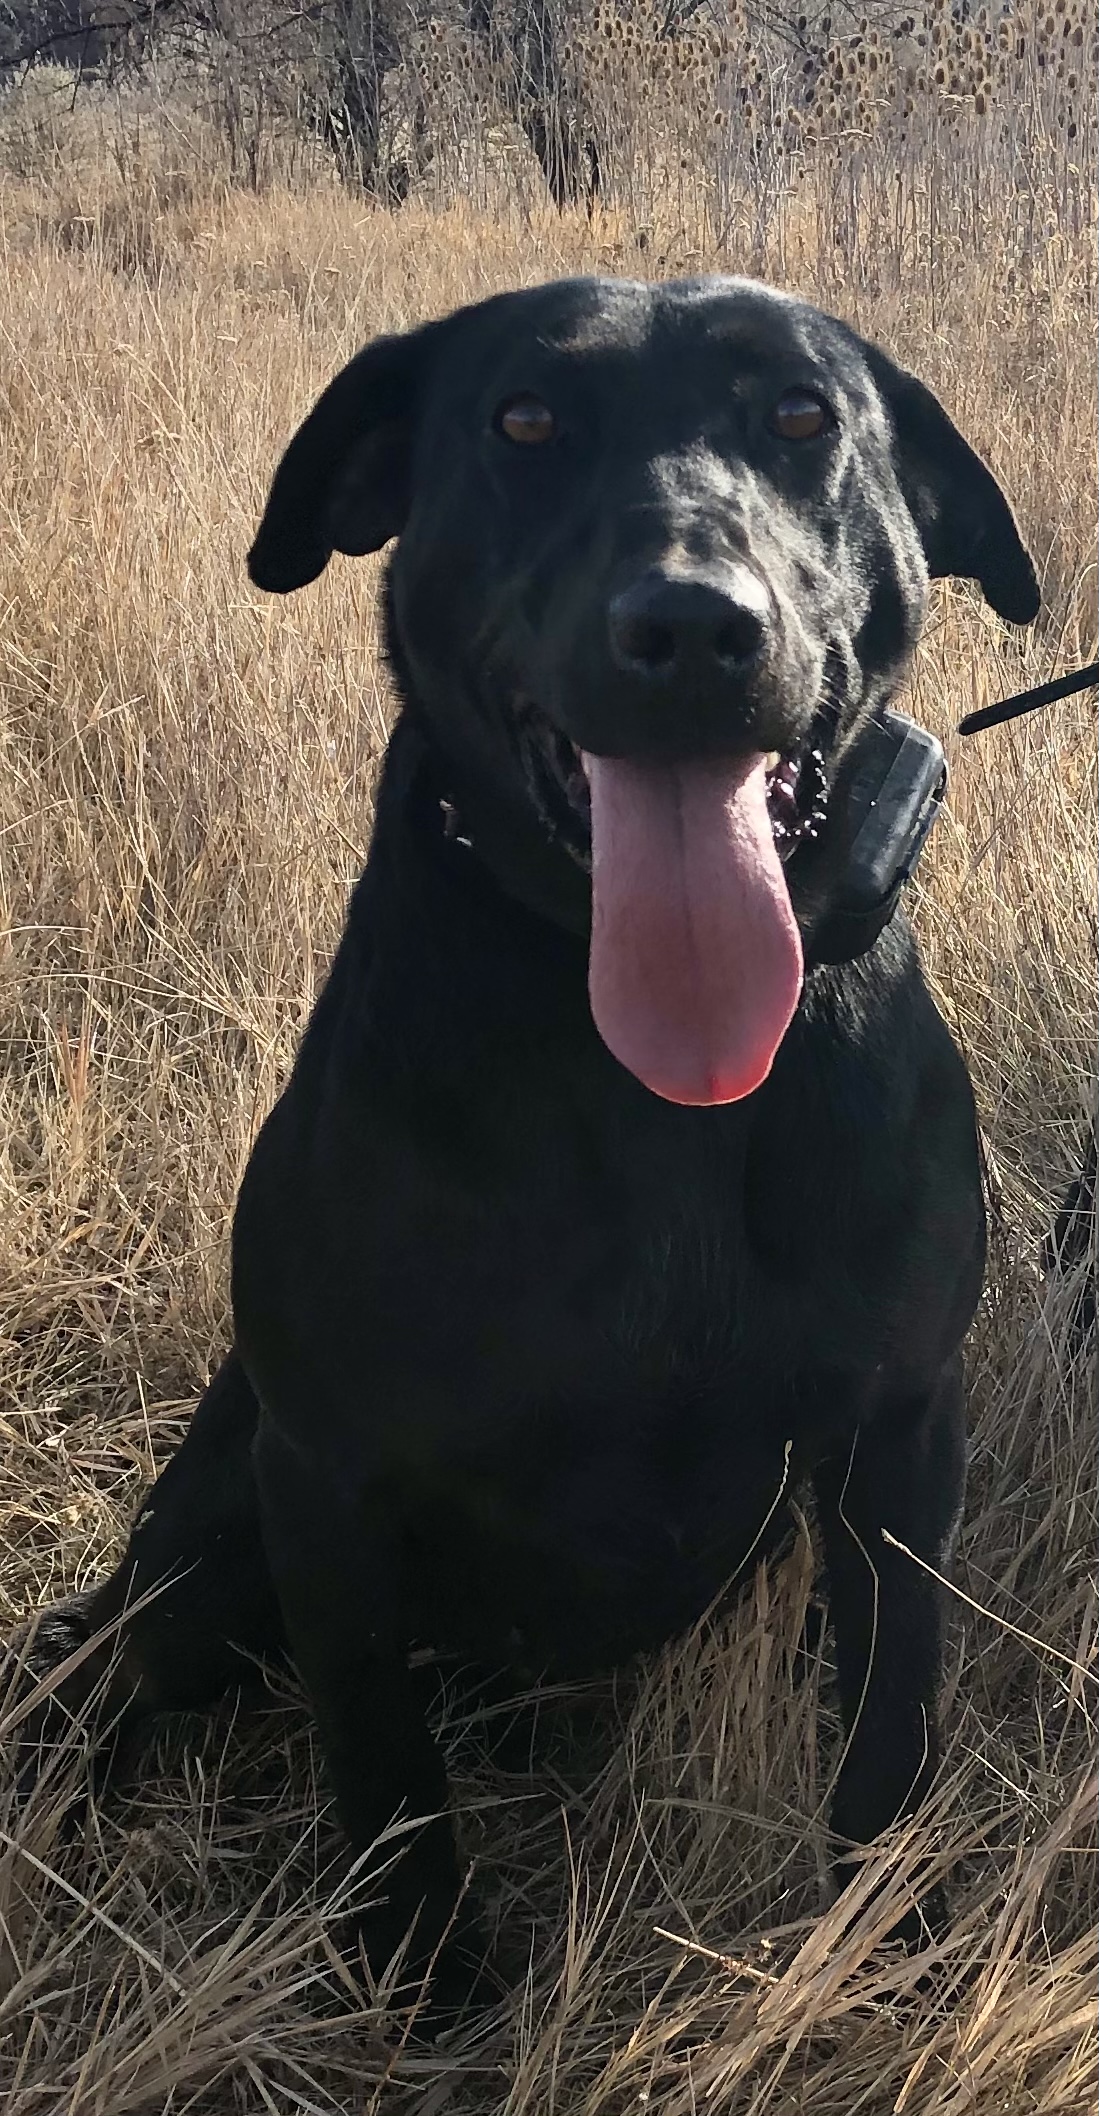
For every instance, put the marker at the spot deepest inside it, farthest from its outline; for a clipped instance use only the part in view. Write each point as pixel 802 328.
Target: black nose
pixel 668 625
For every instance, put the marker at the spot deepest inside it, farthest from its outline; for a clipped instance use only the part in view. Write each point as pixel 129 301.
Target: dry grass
pixel 184 798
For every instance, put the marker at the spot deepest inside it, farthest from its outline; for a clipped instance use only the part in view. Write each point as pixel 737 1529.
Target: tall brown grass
pixel 185 788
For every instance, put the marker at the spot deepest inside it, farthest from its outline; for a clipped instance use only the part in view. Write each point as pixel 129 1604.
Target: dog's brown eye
pixel 799 416
pixel 526 420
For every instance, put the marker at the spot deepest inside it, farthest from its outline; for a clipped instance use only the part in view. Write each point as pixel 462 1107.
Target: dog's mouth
pixel 559 789
pixel 696 965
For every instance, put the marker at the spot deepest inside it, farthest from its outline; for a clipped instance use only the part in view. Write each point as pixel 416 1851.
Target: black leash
pixel 1029 701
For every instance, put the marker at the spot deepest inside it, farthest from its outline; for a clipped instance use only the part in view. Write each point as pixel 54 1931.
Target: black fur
pixel 527 1359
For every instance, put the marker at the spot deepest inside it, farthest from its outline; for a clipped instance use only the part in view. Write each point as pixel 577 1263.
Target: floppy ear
pixel 344 483
pixel 965 523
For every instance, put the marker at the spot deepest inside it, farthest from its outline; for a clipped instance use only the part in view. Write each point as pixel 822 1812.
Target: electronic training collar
pixel 898 792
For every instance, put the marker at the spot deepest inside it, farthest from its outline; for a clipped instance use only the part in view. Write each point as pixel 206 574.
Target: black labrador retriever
pixel 610 1197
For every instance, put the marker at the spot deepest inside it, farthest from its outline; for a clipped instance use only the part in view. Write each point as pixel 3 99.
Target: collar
pixel 474 834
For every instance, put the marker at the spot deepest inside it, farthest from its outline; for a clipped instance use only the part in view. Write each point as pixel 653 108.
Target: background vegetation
pixel 189 245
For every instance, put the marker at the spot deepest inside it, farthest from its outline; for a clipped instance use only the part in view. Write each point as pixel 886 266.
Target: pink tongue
pixel 696 962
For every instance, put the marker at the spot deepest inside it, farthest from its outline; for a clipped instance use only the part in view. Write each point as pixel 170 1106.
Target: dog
pixel 611 1198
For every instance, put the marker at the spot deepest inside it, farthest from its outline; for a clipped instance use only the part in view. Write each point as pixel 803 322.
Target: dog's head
pixel 662 550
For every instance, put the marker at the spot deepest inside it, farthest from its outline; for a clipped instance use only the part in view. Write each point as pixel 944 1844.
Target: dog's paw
pixel 437 1983
pixel 920 1926
pixel 36 1651
pixel 925 1923
pixel 462 1982
pixel 41 1696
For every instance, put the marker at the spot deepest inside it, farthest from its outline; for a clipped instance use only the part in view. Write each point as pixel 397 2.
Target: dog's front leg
pixel 905 1475
pixel 335 1556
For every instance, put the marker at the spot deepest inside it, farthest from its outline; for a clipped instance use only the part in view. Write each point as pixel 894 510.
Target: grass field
pixel 185 791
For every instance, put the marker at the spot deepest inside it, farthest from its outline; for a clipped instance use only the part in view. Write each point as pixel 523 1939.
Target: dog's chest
pixel 685 1256
pixel 621 1310
pixel 635 1440
pixel 574 1343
